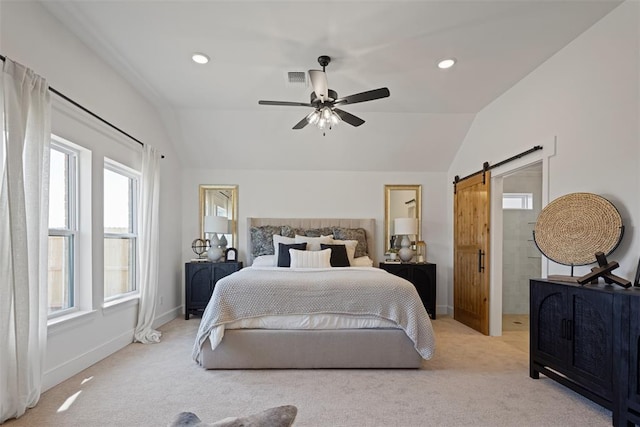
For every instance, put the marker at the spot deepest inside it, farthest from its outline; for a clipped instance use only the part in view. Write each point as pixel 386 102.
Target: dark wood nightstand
pixel 423 277
pixel 200 279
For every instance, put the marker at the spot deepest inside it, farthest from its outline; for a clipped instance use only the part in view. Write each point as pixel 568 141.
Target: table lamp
pixel 405 227
pixel 214 225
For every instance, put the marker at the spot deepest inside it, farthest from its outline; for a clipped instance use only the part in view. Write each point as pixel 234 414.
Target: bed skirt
pixel 311 349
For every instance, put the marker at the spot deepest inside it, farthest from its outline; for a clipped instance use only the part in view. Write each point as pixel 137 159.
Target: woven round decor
pixel 572 228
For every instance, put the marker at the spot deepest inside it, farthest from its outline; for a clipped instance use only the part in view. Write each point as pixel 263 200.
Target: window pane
pixel 117 203
pixel 60 273
pixel 118 266
pixel 517 201
pixel 59 190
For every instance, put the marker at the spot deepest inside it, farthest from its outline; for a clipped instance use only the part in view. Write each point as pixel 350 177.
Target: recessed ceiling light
pixel 446 63
pixel 200 58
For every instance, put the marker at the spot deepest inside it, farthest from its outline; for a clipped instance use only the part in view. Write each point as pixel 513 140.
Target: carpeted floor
pixel 473 380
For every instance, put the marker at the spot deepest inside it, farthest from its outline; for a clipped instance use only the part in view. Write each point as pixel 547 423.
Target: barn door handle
pixel 563 329
pixel 480 263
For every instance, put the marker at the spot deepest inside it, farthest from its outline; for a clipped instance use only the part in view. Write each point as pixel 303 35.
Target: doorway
pixel 521 260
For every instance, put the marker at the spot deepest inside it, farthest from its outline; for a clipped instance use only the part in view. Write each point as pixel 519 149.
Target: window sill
pixel 120 303
pixel 68 321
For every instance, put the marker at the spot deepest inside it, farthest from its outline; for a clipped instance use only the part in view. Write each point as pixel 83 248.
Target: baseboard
pixel 167 317
pixel 443 310
pixel 71 367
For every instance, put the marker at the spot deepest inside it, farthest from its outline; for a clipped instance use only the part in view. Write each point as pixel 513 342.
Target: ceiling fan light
pixel 313 117
pixel 326 113
pixel 321 123
pixel 335 119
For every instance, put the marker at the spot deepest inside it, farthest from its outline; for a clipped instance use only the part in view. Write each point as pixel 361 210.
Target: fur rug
pixel 281 416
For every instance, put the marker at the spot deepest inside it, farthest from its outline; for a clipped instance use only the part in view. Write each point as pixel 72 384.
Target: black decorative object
pixel 636 281
pixel 231 254
pixel 604 270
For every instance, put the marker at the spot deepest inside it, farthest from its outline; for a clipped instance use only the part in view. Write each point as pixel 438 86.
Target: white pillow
pixel 313 243
pixel 351 249
pixel 265 261
pixel 310 259
pixel 277 239
pixel 362 261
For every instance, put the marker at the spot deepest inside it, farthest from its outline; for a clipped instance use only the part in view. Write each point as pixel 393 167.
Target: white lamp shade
pixel 216 224
pixel 405 226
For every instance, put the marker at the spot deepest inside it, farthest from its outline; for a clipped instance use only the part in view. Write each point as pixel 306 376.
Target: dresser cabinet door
pixel 424 279
pixel 633 392
pixel 592 338
pixel 198 286
pixel 548 322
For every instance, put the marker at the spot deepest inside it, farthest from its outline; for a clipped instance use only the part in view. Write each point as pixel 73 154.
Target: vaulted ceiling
pixel 211 111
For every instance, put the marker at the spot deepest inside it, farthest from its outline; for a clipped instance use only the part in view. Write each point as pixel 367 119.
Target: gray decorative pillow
pixel 358 234
pixel 281 416
pixel 289 231
pixel 262 239
pixel 317 232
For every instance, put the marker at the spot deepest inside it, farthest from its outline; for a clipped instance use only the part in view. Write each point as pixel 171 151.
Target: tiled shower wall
pixel 521 259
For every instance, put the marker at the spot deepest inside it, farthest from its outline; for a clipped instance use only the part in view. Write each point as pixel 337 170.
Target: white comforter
pixel 333 298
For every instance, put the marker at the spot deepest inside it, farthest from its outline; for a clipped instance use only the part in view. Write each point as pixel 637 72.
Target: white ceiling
pixel 212 112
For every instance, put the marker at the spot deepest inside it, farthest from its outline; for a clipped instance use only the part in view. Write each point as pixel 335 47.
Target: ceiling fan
pixel 324 101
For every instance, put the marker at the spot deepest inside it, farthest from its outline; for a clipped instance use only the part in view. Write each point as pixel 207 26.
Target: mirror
pixel 401 201
pixel 220 200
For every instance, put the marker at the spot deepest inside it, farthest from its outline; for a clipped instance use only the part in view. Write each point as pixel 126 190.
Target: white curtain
pixel 24 221
pixel 148 245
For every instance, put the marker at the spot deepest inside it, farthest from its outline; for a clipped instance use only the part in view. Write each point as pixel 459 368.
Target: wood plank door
pixel 471 252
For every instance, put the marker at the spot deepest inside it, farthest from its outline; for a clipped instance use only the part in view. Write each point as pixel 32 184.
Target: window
pixel 120 230
pixel 62 227
pixel 517 201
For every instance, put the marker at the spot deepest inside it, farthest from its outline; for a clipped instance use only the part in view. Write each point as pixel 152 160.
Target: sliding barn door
pixel 471 252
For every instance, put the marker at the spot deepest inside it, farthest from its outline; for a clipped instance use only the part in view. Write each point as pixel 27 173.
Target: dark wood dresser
pixel 423 277
pixel 588 338
pixel 200 281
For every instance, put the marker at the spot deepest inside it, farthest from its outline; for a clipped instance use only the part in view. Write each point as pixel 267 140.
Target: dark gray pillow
pixel 358 234
pixel 339 256
pixel 284 257
pixel 262 239
pixel 281 416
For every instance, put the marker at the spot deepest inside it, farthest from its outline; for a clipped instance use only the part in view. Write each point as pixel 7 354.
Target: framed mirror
pixel 401 201
pixel 220 201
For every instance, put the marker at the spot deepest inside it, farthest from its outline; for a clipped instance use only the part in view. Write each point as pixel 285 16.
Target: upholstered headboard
pixel 368 224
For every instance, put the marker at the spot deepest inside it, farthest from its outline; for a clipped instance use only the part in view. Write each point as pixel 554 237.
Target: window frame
pixel 526 201
pixel 71 230
pixel 134 177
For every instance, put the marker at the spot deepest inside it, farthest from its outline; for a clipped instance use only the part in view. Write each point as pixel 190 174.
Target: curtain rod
pixel 486 166
pixel 86 110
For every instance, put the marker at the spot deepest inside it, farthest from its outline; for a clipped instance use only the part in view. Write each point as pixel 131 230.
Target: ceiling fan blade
pixel 286 103
pixel 302 123
pixel 320 84
pixel 348 117
pixel 369 95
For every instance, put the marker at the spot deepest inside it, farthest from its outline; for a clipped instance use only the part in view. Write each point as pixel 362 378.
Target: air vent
pixel 297 78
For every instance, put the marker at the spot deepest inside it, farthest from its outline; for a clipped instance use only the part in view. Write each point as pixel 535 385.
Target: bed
pixel 269 317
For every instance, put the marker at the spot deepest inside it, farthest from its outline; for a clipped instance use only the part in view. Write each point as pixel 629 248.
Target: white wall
pixel 587 96
pixel 31 36
pixel 325 194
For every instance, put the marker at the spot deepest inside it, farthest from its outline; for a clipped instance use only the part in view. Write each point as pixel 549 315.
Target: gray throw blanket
pixel 254 292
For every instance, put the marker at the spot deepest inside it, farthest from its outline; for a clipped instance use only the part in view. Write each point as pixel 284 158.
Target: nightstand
pixel 200 279
pixel 423 277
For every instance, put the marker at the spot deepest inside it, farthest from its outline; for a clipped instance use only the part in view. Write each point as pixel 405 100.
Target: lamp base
pixel 406 254
pixel 214 254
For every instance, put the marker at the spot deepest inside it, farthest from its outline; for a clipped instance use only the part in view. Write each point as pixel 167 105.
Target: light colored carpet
pixel 473 380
